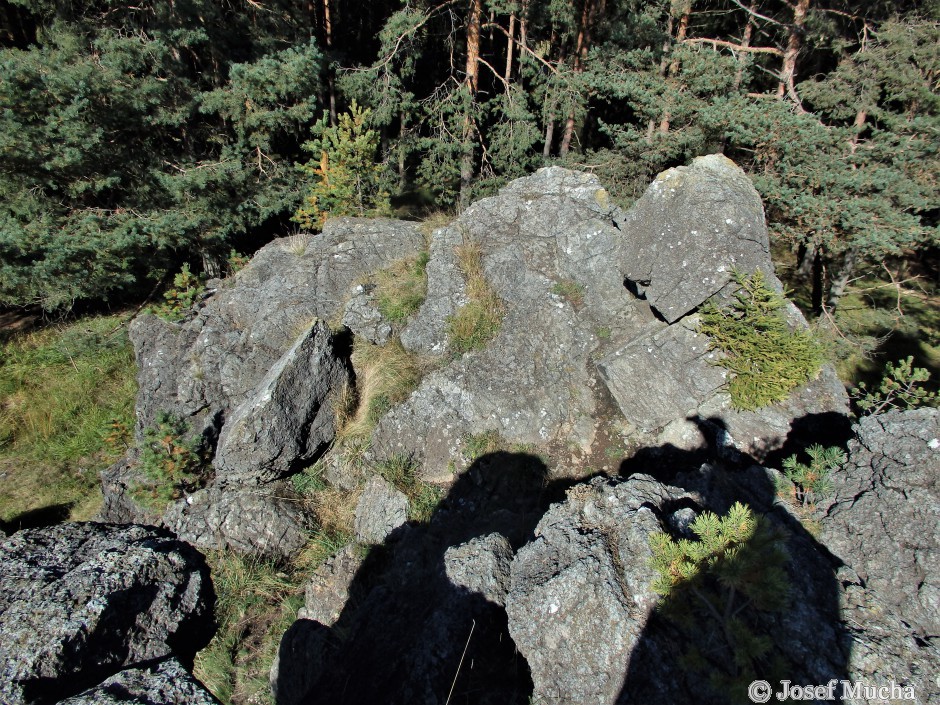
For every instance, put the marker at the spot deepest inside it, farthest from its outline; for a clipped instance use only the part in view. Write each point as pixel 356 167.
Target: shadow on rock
pixel 763 605
pixel 423 619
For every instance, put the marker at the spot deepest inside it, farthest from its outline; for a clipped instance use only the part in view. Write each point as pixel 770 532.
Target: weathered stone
pixel 163 683
pixel 327 590
pixel 290 416
pixel 205 367
pixel 247 519
pixel 547 246
pixel 581 591
pixel 363 318
pixel 884 520
pixel 82 601
pixel 481 565
pixel 299 661
pixel 117 489
pixel 662 376
pixel 692 228
pixel 381 510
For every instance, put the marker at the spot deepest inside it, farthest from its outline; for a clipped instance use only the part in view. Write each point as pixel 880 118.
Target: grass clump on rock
pixel 766 358
pixel 401 289
pixel 477 321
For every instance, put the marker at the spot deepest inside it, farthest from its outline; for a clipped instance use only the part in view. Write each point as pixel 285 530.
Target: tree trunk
pixel 402 132
pixel 510 48
pixel 817 294
pixel 589 13
pixel 330 78
pixel 523 31
pixel 663 71
pixel 472 72
pixel 841 277
pixel 549 135
pixel 746 37
pixel 674 66
pixel 806 254
pixel 787 84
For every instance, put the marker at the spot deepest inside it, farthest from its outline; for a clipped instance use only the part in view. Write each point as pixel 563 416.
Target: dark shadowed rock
pixel 692 228
pixel 581 591
pixel 289 418
pixel 481 565
pixel 163 683
pixel 381 510
pixel 82 601
pixel 253 520
pixel 884 521
pixel 327 590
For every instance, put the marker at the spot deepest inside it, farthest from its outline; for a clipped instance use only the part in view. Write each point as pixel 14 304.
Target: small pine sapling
pixel 719 590
pixel 902 387
pixel 814 481
pixel 179 299
pixel 169 460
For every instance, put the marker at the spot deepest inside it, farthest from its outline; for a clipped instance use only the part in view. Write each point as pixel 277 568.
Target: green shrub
pixel 478 321
pixel 900 388
pixel 346 174
pixel 719 590
pixel 170 462
pixel 767 360
pixel 814 481
pixel 179 299
pixel 401 289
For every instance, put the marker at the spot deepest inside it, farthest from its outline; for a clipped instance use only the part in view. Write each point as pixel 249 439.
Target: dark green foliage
pixel 814 481
pixel 766 358
pixel 902 387
pixel 169 460
pixel 130 138
pixel 722 590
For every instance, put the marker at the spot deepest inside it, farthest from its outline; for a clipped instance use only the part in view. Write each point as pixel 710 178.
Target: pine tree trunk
pixel 674 66
pixel 582 46
pixel 510 48
pixel 663 71
pixel 817 294
pixel 746 37
pixel 840 278
pixel 328 40
pixel 549 136
pixel 787 84
pixel 472 72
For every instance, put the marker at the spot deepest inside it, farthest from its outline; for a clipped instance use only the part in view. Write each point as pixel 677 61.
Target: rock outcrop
pixel 254 372
pixel 81 602
pixel 163 683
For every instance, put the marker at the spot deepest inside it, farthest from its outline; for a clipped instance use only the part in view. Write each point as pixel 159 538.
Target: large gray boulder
pixel 163 683
pixel 252 520
pixel 534 383
pixel 83 601
pixel 692 228
pixel 289 418
pixel 381 509
pixel 581 595
pixel 884 519
pixel 207 366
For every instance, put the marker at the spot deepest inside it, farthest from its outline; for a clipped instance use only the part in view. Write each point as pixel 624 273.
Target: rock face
pixel 83 601
pixel 381 510
pixel 581 591
pixel 556 252
pixel 481 565
pixel 692 228
pixel 254 372
pixel 248 520
pixel 892 481
pixel 165 683
pixel 288 419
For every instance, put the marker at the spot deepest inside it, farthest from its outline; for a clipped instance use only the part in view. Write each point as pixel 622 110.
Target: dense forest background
pixel 137 137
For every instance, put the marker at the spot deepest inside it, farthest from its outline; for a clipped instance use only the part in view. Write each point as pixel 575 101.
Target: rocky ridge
pixel 534 568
